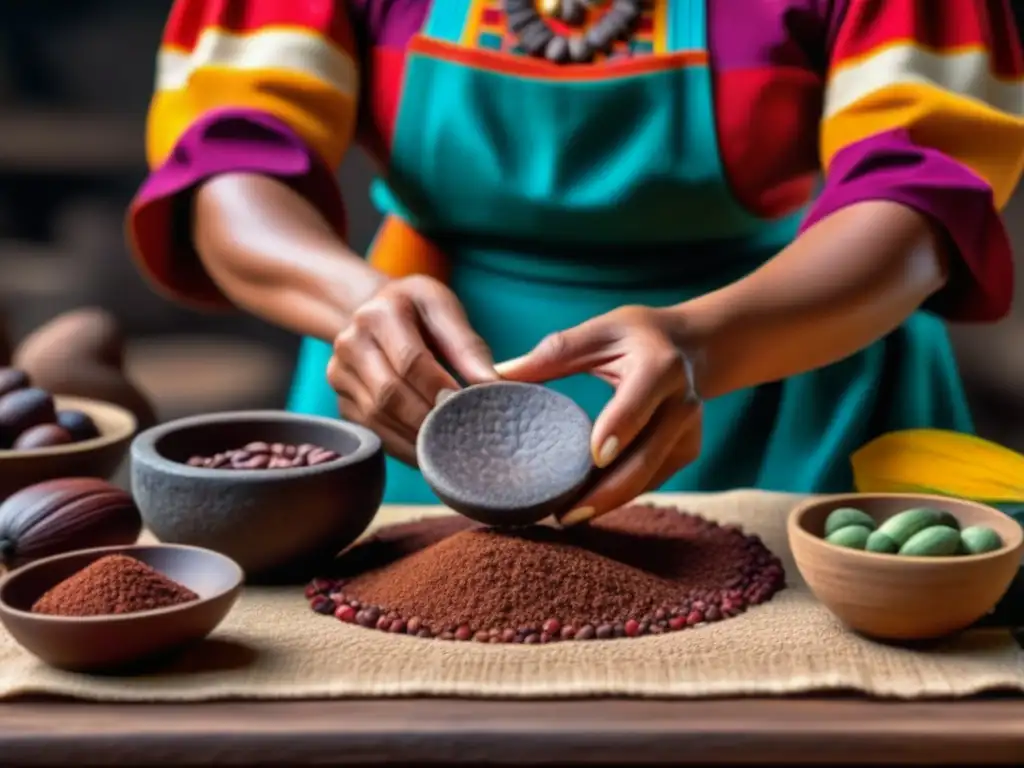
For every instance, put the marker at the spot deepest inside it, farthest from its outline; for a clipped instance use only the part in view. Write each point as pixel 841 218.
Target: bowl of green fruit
pixel 905 566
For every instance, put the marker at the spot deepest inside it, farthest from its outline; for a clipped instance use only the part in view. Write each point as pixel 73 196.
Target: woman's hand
pixel 389 361
pixel 651 428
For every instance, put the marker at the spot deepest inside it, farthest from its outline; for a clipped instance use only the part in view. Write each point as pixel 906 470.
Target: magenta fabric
pixel 890 166
pixel 227 141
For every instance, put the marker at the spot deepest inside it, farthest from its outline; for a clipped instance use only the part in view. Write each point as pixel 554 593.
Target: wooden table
pixel 513 733
pixel 800 730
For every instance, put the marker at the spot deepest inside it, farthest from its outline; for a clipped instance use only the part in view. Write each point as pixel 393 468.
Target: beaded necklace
pixel 538 39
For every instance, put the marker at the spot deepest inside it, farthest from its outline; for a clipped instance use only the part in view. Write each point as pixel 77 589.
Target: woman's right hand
pixel 389 361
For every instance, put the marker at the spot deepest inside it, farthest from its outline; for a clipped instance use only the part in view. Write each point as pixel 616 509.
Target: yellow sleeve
pixel 292 60
pixel 950 72
pixel 258 86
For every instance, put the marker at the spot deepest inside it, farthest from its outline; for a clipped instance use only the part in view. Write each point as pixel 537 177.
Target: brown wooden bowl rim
pixel 46 618
pixel 88 406
pixel 144 448
pixel 796 530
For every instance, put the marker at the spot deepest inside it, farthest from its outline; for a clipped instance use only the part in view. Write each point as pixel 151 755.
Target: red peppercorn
pixel 463 633
pixel 632 628
pixel 322 604
pixel 345 613
pixel 551 626
pixel 676 623
pixel 323 585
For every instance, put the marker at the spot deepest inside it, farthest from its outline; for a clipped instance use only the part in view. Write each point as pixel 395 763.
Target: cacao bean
pixel 12 379
pixel 23 409
pixel 42 436
pixel 80 425
pixel 61 515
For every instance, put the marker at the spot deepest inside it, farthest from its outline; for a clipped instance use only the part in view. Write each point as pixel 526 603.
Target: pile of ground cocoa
pixel 114 584
pixel 640 570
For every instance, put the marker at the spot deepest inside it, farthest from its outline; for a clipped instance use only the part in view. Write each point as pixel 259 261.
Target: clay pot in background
pixel 81 353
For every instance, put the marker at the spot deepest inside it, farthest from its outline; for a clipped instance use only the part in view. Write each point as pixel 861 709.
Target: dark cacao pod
pixel 42 436
pixel 62 515
pixel 12 379
pixel 79 425
pixel 24 409
pixel 81 353
pixel 87 336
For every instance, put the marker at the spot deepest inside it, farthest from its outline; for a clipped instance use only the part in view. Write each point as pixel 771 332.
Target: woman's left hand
pixel 651 428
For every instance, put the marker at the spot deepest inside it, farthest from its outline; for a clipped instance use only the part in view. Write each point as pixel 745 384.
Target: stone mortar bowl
pixel 278 524
pixel 506 454
pixel 98 457
pixel 901 598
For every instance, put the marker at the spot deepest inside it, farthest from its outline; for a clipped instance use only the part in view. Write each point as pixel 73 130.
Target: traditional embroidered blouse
pixel 915 101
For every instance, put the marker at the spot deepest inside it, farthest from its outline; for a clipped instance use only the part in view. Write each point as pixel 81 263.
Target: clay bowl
pixel 900 598
pixel 109 643
pixel 279 524
pixel 99 457
pixel 506 454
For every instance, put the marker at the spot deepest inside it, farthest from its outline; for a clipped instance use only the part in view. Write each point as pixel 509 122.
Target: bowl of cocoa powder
pixel 279 493
pixel 117 608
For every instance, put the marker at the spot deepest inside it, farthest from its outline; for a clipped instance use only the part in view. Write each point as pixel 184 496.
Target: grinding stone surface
pixel 505 448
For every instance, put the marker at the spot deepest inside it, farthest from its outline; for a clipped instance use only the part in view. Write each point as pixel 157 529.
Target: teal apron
pixel 558 200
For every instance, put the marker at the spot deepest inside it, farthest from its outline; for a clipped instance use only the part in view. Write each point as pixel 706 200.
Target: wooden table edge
pixel 452 731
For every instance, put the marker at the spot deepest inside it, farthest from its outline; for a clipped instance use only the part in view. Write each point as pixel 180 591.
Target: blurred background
pixel 75 79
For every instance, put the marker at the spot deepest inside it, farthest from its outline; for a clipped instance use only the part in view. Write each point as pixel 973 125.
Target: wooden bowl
pixel 278 524
pixel 894 597
pixel 99 457
pixel 507 453
pixel 108 643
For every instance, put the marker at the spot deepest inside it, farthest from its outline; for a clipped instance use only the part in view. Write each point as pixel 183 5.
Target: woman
pixel 613 197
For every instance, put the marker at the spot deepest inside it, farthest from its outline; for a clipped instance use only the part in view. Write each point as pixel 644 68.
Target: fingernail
pixel 508 365
pixel 443 395
pixel 577 516
pixel 607 453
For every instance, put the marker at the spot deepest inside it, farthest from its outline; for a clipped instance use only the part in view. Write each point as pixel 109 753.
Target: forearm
pixel 846 282
pixel 272 253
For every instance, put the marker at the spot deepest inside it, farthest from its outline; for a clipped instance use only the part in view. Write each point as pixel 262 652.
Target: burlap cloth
pixel 273 647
